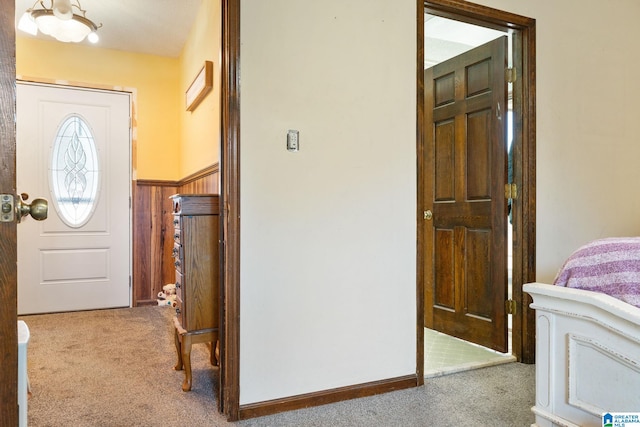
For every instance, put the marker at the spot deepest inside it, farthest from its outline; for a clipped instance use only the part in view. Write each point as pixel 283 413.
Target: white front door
pixel 73 149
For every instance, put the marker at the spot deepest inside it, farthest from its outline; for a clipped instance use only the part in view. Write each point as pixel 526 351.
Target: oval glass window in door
pixel 75 172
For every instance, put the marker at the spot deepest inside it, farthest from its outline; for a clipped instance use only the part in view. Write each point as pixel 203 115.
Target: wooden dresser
pixel 196 258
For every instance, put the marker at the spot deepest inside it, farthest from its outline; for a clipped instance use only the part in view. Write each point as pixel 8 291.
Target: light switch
pixel 293 140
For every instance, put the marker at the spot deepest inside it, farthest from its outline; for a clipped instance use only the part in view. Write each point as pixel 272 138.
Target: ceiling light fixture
pixel 59 21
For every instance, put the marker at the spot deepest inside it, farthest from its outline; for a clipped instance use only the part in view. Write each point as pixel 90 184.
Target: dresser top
pixel 196 204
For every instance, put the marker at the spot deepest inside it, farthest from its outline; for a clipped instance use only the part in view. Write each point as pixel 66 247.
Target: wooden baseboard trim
pixel 141 302
pixel 271 407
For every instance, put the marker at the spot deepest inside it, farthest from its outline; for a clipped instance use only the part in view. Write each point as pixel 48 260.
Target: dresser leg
pixel 186 359
pixel 215 352
pixel 176 337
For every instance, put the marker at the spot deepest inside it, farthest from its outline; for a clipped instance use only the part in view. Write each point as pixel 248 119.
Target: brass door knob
pixel 428 215
pixel 38 208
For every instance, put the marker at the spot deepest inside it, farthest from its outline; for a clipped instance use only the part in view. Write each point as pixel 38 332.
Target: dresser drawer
pixel 177 252
pixel 179 265
pixel 177 222
pixel 177 234
pixel 180 285
pixel 178 257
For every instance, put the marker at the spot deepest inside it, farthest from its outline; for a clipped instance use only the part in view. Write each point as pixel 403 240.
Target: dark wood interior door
pixel 466 210
pixel 8 235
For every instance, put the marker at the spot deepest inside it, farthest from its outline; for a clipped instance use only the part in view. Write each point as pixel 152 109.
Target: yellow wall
pixel 201 128
pixel 169 142
pixel 154 78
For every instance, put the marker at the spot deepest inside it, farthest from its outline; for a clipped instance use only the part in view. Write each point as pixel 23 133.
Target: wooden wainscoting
pixel 202 182
pixel 152 239
pixel 153 230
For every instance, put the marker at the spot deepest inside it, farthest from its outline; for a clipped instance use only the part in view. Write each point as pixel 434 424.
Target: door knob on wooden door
pixel 428 215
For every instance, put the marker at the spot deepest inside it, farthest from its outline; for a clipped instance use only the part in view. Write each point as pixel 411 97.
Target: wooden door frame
pixel 8 230
pixel 524 157
pixel 230 212
pixel 524 208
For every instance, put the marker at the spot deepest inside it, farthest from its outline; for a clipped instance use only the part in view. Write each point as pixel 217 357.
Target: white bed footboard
pixel 587 356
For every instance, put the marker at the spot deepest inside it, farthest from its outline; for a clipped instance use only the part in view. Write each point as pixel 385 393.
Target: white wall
pixel 588 144
pixel 328 240
pixel 328 234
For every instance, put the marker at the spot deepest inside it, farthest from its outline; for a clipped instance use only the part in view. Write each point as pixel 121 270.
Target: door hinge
pixel 510 75
pixel 510 306
pixel 510 191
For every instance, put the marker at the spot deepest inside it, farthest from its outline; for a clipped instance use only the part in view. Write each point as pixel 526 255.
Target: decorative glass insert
pixel 75 171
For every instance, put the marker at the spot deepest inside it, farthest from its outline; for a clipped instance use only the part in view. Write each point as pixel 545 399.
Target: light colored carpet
pixel 113 368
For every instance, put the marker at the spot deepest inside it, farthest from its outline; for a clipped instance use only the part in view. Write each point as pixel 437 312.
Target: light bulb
pixel 62 9
pixel 93 37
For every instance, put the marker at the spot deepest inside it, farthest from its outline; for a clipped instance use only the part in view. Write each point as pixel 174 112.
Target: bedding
pixel 610 266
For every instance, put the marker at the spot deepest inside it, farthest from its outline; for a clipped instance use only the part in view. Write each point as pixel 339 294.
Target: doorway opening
pixel 128 201
pixel 521 217
pixel 445 39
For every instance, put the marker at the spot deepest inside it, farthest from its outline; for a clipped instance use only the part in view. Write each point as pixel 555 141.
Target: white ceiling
pixel 445 38
pixel 158 27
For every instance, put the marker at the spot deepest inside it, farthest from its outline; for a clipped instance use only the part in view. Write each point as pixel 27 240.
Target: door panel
pixel 79 258
pixel 444 274
pixel 444 161
pixel 465 171
pixel 478 156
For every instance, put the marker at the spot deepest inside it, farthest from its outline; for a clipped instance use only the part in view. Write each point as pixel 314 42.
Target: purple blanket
pixel 610 266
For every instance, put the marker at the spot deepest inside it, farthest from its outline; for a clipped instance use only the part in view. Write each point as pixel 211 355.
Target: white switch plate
pixel 293 142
